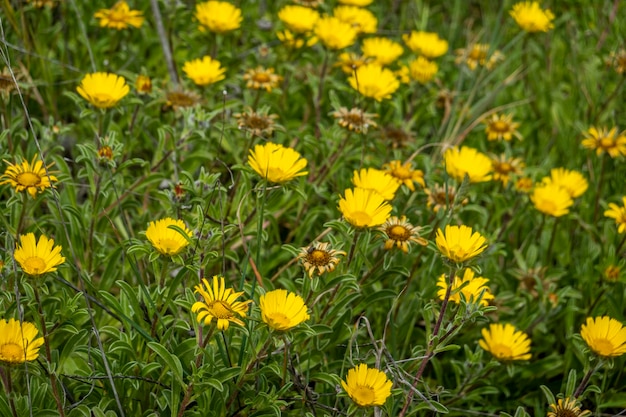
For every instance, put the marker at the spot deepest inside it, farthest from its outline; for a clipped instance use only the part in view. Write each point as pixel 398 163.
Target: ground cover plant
pixel 312 207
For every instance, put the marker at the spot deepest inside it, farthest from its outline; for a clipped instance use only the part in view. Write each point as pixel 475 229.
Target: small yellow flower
pixel 471 287
pixel 29 177
pixel 166 240
pixel 551 199
pixel 367 386
pixel 505 342
pixel 605 336
pixel 355 119
pixel 119 16
pixel 374 81
pixel 572 181
pixel 612 273
pixel 618 61
pixel 18 342
pixel 220 303
pixel 619 214
pixel 295 41
pixel 501 127
pixel 143 84
pixel 524 184
pixel 282 310
pixel 204 71
pixel 460 243
pixel 360 3
pixel 360 19
pixel 383 50
pixel 102 89
pixel 218 16
pixel 299 19
pixel 262 78
pixel 422 70
pixel 504 168
pixel 532 18
pixel 276 163
pixel 38 257
pixel 468 161
pixel 364 208
pixel 567 407
pixel 376 180
pixel 478 54
pixel 334 34
pixel 349 62
pixel 399 233
pixel 426 44
pixel 605 140
pixel 319 256
pixel 405 174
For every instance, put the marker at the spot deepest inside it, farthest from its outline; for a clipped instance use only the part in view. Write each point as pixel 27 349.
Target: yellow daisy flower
pixel 262 78
pixel 218 16
pixel 619 214
pixel 28 176
pixel 349 62
pixel 143 84
pixel 282 310
pixel 166 240
pixel 524 184
pixel 422 70
pixel 460 243
pixel 383 50
pixel 334 34
pixel 478 54
pixel 18 342
pixel 319 256
pixel 204 71
pixel 299 19
pixel 360 19
pixel 505 342
pixel 504 168
pixel 276 163
pixel 475 164
pixel 501 127
pixel 570 180
pixel 295 41
pixel 37 257
pixel 367 386
pixel 220 303
pixel 374 81
pixel 567 407
pixel 605 336
pixel 426 44
pixel 119 16
pixel 532 18
pixel 470 286
pixel 605 140
pixel 405 174
pixel 364 208
pixel 102 89
pixel 376 180
pixel 551 199
pixel 399 233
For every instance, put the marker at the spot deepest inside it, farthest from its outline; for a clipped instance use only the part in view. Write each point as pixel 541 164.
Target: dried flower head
pixel 478 54
pixel 355 119
pixel 257 123
pixel 441 197
pixel 618 61
pixel 262 78
pixel 178 98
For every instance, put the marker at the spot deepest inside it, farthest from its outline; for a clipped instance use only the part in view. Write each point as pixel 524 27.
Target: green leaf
pixel 170 360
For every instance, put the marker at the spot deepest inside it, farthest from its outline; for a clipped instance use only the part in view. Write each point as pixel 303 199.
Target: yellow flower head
pixel 29 177
pixel 532 18
pixel 359 3
pixel 218 16
pixel 400 233
pixel 204 71
pixel 319 256
pixel 349 61
pixel 475 164
pixel 605 140
pixel 505 342
pixel 143 84
pixel 612 273
pixel 299 19
pixel 572 181
pixel 103 89
pixel 119 16
pixel 619 214
pixel 551 199
pixel 367 386
pixel 18 342
pixel 360 19
pixel 220 303
pixel 567 407
pixel 405 174
pixel 504 168
pixel 334 33
pixel 427 44
pixel 295 41
pixel 422 70
pixel 282 310
pixel 276 163
pixel 478 54
pixel 617 59
pixel 383 50
pixel 376 180
pixel 460 243
pixel 262 78
pixel 501 127
pixel 374 81
pixel 364 208
pixel 605 336
pixel 471 288
pixel 37 258
pixel 524 184
pixel 166 240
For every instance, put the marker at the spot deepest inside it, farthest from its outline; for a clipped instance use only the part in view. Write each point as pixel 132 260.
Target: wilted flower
pixel 354 119
pixel 262 78
pixel 400 233
pixel 179 98
pixel 618 61
pixel 257 123
pixel 440 197
pixel 478 54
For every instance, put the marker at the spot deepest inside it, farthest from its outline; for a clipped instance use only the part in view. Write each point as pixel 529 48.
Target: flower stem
pixel 8 388
pixel 357 233
pixel 552 236
pixel 586 379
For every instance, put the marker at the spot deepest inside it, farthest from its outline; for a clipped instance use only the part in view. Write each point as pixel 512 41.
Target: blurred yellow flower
pixel 29 177
pixel 204 71
pixel 299 19
pixel 282 310
pixel 364 208
pixel 38 257
pixel 617 59
pixel 220 303
pixel 319 256
pixel 360 3
pixel 218 16
pixel 18 342
pixel 551 199
pixel 619 214
pixel 605 140
pixel 262 78
pixel 505 342
pixel 405 174
pixel 143 84
pixel 460 243
pixel 166 240
pixel 102 89
pixel 422 70
pixel 374 81
pixel 360 19
pixel 572 181
pixel 478 54
pixel 532 18
pixel 334 33
pixel 349 61
pixel 427 44
pixel 376 180
pixel 400 233
pixel 276 163
pixel 367 386
pixel 475 164
pixel 441 197
pixel 119 16
pixel 501 127
pixel 471 287
pixel 567 407
pixel 524 184
pixel 605 336
pixel 383 50
pixel 504 167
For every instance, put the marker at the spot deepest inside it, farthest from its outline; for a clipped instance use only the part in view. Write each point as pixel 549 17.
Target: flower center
pixel 118 16
pixel 34 265
pixel 398 232
pixel 457 252
pixel 603 347
pixel 500 126
pixel 503 168
pixel 262 77
pixel 606 142
pixel 318 257
pixel 501 351
pixel 28 179
pixel 256 122
pixel 279 321
pixel 363 395
pixel 220 310
pixel 12 352
pixel 401 173
pixel 361 218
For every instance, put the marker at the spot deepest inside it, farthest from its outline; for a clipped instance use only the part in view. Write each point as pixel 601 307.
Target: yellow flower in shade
pixel 567 407
pixel 218 16
pixel 319 256
pixel 617 59
pixel 399 233
pixel 354 119
pixel 405 174
pixel 299 19
pixel 572 181
pixel 276 163
pixel 102 89
pixel 219 303
pixel 475 164
pixel 605 140
pixel 261 78
pixel 282 310
pixel 295 41
pixel 505 342
pixel 422 70
pixel 478 54
pixel 441 197
pixel 119 17
pixel 143 84
pixel 383 50
pixel 619 214
pixel 360 19
pixel 166 240
pixel 501 127
pixel 460 243
pixel 504 168
pixel 334 33
pixel 367 386
pixel 524 184
pixel 359 3
pixel 376 180
pixel 364 208
pixel 38 257
pixel 349 61
pixel 471 287
pixel 532 18
pixel 427 44
pixel 611 273
pixel 551 199
pixel 18 342
pixel 204 71
pixel 28 177
pixel 374 81
pixel 403 74
pixel 605 336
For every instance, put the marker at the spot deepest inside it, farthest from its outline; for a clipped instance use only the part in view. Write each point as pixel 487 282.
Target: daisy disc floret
pixel 282 310
pixel 320 258
pixel 532 18
pixel 467 161
pixel 219 303
pixel 218 16
pixel 551 199
pixel 364 208
pixel 102 89
pixel 374 81
pixel 18 342
pixel 119 17
pixel 399 233
pixel 505 342
pixel 618 213
pixel 166 240
pixel 30 177
pixel 276 163
pixel 471 287
pixel 605 336
pixel 334 34
pixel 367 386
pixel 567 407
pixel 604 140
pixel 37 257
pixel 204 71
pixel 460 243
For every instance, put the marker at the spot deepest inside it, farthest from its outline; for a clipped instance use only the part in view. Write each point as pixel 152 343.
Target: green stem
pixel 586 379
pixel 20 223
